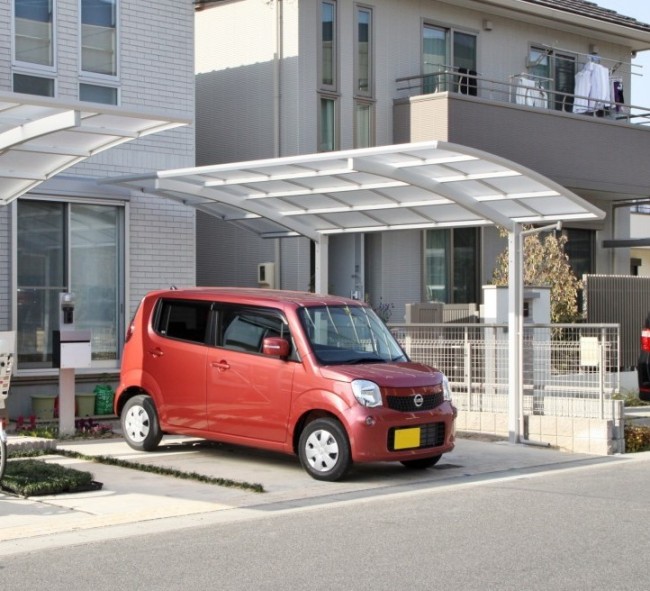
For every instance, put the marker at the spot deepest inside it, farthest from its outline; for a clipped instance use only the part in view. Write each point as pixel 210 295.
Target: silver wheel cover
pixel 137 424
pixel 322 451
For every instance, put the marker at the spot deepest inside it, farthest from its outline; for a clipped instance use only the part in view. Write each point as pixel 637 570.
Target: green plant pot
pixel 85 404
pixel 43 406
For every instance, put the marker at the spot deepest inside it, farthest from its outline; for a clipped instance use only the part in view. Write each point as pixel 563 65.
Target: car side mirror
pixel 276 347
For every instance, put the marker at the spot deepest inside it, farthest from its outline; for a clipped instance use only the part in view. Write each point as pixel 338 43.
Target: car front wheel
pixel 324 450
pixel 140 423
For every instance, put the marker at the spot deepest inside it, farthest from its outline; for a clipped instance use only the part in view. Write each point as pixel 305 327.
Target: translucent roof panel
pixel 40 137
pixel 402 186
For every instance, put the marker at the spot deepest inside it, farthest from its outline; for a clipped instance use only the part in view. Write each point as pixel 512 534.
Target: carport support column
pixel 515 333
pixel 322 264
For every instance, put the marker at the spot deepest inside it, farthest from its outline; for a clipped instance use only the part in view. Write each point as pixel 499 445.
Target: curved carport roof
pixel 40 137
pixel 423 185
pixel 397 187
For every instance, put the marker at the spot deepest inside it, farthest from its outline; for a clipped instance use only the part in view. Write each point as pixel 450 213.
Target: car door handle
pixel 157 352
pixel 222 365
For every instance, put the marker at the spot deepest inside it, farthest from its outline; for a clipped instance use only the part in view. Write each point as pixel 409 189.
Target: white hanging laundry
pixel 529 93
pixel 592 88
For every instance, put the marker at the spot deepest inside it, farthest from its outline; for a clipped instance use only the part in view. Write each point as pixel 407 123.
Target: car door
pixel 175 356
pixel 249 393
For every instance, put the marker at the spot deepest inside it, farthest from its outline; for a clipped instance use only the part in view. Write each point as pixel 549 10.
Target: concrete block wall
pixel 572 434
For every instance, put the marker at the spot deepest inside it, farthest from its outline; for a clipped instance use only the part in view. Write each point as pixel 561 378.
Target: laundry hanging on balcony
pixel 593 90
pixel 529 92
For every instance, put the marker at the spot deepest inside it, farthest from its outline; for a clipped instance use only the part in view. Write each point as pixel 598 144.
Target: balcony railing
pixel 521 90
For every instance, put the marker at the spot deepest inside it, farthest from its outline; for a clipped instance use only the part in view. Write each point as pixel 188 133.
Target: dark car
pixel 643 367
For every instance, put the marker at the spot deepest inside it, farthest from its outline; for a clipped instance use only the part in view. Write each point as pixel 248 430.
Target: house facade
pixel 542 83
pixel 71 233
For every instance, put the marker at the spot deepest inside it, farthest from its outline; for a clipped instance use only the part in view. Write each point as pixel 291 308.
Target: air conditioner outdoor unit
pixel 266 275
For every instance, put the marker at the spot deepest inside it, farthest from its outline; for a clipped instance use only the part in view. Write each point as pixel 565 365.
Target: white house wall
pixel 156 74
pixel 249 108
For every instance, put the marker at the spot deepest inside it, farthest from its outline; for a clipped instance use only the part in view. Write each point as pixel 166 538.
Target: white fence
pixel 569 370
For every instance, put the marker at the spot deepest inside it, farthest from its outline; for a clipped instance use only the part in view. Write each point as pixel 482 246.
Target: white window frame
pixel 335 49
pixel 371 124
pixel 115 87
pixel 335 123
pixel 95 78
pixel 30 68
pixel 123 271
pixel 370 92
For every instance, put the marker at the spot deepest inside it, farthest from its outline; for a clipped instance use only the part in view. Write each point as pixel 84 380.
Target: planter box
pixel 85 404
pixel 43 406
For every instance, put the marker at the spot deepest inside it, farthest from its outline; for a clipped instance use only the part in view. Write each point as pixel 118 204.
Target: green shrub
pixel 637 438
pixel 34 477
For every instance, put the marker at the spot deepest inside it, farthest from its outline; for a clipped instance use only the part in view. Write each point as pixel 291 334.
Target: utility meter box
pixel 266 275
pixel 71 349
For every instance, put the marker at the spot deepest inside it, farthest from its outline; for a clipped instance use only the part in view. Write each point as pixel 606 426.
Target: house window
pixel 93 93
pixel 446 55
pixel 555 73
pixel 364 125
pixel 452 265
pixel 34 32
pixel 37 85
pixel 69 247
pixel 99 37
pixel 363 83
pixel 328 46
pixel 328 136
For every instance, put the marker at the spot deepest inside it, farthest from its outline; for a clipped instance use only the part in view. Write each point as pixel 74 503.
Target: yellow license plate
pixel 407 438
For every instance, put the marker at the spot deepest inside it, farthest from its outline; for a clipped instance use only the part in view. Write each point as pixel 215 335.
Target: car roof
pixel 256 296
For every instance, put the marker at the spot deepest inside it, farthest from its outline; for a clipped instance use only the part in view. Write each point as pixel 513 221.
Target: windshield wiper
pixel 358 360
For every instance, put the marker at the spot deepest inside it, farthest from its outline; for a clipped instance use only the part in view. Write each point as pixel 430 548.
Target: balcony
pixel 600 151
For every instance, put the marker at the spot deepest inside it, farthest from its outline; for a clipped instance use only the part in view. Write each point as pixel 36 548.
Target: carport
pixel 396 187
pixel 40 138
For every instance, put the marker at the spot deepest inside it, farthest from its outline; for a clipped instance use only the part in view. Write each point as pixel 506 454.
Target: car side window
pixel 184 320
pixel 244 329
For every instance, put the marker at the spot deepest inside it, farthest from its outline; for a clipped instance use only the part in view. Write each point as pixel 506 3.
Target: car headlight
pixel 367 393
pixel 446 388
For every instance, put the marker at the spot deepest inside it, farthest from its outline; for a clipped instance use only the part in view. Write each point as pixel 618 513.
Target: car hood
pixel 387 375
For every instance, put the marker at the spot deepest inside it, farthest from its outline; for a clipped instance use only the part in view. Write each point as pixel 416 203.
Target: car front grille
pixel 408 403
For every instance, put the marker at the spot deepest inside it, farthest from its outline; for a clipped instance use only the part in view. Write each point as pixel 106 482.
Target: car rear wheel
pixel 324 450
pixel 422 463
pixel 140 423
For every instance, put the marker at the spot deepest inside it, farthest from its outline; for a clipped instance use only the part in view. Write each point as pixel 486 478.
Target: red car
pixel 317 376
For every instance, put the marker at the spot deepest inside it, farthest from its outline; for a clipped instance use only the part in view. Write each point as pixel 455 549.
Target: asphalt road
pixel 582 527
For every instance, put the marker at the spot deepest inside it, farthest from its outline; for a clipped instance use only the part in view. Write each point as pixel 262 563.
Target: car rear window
pixel 184 320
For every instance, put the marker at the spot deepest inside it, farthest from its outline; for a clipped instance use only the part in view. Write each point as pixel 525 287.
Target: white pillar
pixel 515 334
pixel 66 401
pixel 322 264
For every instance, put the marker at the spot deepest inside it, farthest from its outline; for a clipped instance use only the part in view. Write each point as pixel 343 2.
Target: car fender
pixel 137 380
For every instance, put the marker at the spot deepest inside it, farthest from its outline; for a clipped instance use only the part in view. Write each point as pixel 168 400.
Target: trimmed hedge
pixel 30 478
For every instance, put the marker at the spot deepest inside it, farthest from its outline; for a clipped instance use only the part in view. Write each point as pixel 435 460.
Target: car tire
pixel 140 424
pixel 324 450
pixel 422 463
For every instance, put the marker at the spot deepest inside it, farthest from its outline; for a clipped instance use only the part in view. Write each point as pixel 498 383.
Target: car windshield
pixel 349 334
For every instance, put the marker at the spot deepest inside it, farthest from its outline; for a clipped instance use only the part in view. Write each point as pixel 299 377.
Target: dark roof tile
pixel 592 10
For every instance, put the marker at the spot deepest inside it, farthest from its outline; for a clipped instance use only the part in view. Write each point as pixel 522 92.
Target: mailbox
pixel 71 349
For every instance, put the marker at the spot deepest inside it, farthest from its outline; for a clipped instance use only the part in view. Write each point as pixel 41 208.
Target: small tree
pixel 546 264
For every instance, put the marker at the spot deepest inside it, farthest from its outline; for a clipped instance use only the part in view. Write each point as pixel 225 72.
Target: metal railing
pixel 511 91
pixel 569 370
